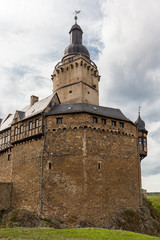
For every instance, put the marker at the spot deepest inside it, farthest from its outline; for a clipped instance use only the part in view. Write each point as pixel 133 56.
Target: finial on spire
pixel 139 110
pixel 75 13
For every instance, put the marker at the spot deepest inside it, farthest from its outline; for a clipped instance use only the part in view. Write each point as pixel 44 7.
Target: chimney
pixel 33 100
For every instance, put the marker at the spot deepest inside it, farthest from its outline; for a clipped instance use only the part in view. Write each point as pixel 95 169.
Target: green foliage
pixel 155 201
pixel 66 234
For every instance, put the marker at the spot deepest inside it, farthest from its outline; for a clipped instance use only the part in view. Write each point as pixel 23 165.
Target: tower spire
pixel 139 111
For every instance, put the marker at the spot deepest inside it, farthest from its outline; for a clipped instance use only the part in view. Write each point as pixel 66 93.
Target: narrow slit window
pixel 50 165
pixel 99 166
pixel 9 157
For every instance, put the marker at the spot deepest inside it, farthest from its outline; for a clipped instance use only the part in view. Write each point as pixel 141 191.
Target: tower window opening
pixel 103 121
pixel 59 120
pixel 95 120
pixel 50 165
pixel 99 166
pixel 121 124
pixel 70 91
pixel 145 142
pixel 114 123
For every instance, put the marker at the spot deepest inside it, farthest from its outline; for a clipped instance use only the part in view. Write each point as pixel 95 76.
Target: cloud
pixel 123 40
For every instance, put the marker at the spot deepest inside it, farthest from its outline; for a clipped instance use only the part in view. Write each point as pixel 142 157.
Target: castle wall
pixel 5 195
pixel 26 174
pixel 90 170
pixel 24 170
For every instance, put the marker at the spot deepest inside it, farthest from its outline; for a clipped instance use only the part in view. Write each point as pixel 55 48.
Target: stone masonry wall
pixel 90 170
pixel 26 174
pixel 5 195
pixel 23 169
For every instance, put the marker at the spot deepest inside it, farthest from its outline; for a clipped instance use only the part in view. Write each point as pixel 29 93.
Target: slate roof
pixel 87 108
pixel 140 124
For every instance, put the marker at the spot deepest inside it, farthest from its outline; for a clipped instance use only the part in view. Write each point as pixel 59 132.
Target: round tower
pixel 142 137
pixel 76 77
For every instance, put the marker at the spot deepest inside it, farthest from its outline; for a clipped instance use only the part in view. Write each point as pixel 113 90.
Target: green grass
pixel 73 234
pixel 155 201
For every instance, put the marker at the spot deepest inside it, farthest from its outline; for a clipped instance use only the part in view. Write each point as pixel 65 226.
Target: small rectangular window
pixel 114 123
pixel 37 123
pixel 30 125
pixel 21 129
pixel 15 131
pixel 9 157
pixel 59 120
pixel 95 120
pixel 121 124
pixel 103 121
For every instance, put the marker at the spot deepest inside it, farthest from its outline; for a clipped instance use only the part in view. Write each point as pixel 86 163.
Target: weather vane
pixel 75 13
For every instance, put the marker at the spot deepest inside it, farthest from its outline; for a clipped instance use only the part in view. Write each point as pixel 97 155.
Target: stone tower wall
pixel 90 170
pixel 76 79
pixel 5 196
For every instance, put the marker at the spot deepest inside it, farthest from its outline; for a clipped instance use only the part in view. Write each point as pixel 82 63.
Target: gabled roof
pixel 29 111
pixel 87 108
pixel 37 107
pixel 6 122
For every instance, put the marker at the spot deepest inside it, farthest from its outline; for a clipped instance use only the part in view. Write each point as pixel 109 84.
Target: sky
pixel 122 37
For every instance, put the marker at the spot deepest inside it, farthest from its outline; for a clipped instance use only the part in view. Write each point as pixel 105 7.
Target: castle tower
pixel 76 77
pixel 142 137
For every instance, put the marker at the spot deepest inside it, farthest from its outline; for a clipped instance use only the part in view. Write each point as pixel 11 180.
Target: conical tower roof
pixel 140 123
